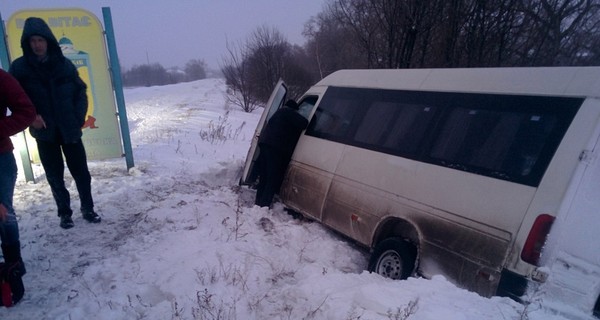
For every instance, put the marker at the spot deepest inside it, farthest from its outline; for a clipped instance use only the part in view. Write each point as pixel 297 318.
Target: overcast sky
pixel 174 32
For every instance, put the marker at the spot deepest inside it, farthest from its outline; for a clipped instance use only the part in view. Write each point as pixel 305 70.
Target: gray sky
pixel 174 32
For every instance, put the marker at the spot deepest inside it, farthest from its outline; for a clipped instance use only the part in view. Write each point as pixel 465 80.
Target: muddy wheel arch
pixel 395 228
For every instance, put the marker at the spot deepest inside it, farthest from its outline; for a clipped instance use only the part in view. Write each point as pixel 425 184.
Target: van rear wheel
pixel 393 258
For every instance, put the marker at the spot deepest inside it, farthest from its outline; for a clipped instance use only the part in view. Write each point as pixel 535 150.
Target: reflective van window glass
pixel 501 136
pixel 506 143
pixel 375 123
pixel 333 120
pixel 410 125
pixel 306 106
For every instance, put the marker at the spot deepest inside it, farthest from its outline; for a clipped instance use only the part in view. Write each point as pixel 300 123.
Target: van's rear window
pixel 507 137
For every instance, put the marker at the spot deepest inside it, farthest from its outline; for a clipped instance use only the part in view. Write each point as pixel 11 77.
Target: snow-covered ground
pixel 181 240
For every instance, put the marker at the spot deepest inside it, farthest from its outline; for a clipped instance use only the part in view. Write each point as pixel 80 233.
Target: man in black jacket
pixel 59 95
pixel 277 144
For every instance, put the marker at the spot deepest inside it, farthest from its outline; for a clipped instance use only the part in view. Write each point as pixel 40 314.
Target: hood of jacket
pixel 38 27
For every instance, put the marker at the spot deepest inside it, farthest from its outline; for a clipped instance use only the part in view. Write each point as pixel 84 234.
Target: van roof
pixel 550 81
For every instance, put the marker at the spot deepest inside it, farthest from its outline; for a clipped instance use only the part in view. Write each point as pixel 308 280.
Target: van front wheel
pixel 393 258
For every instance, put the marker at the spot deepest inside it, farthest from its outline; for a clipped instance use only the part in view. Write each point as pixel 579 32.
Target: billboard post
pixel 115 69
pixel 4 59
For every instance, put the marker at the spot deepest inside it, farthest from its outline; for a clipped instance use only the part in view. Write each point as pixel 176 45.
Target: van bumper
pixel 512 285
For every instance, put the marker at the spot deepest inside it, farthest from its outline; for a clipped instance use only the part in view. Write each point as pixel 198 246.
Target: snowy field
pixel 181 240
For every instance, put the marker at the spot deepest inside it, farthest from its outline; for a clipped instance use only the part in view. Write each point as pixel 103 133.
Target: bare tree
pixel 235 71
pixel 296 73
pixel 268 51
pixel 195 69
pixel 555 28
pixel 487 33
pixel 146 75
pixel 331 46
pixel 253 69
pixel 357 17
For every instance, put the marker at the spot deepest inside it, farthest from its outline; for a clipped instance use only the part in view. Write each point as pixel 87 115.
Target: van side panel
pixel 309 175
pixel 471 199
pixel 464 234
pixel 305 189
pixel 453 247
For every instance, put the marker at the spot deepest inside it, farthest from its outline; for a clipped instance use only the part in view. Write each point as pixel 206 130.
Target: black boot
pixel 91 216
pixel 66 222
pixel 12 257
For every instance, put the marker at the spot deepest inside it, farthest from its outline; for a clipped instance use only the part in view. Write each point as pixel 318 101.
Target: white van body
pixel 572 255
pixel 418 209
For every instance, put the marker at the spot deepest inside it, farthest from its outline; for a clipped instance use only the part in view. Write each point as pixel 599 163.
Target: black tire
pixel 393 258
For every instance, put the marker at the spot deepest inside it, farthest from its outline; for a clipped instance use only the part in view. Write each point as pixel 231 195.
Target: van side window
pixel 334 118
pixel 306 106
pixel 506 143
pixel 375 123
pixel 501 136
pixel 409 128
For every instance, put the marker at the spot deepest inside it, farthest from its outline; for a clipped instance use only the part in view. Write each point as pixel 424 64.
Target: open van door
pixel 276 101
pixel 572 254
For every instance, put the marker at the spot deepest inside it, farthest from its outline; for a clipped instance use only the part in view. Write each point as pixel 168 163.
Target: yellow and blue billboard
pixel 81 38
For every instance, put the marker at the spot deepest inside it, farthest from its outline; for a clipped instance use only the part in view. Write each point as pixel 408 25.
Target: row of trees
pixel 415 34
pixel 251 69
pixel 459 33
pixel 156 75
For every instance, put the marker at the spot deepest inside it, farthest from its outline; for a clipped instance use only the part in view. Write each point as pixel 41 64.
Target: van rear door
pixel 275 102
pixel 571 253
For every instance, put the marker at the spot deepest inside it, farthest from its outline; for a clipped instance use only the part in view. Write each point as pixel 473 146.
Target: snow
pixel 181 240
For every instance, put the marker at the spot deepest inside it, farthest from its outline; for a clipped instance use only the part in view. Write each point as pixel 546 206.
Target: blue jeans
pixel 9 229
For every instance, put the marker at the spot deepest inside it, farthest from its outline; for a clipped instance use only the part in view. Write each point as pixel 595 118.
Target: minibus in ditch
pixel 459 172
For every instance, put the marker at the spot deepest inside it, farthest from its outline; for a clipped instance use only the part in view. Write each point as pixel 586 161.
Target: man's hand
pixel 3 212
pixel 38 123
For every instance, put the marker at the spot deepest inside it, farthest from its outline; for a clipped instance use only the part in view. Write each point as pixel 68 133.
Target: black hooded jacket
pixel 283 131
pixel 54 86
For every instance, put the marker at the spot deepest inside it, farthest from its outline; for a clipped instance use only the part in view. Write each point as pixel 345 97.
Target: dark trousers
pixel 273 164
pixel 51 156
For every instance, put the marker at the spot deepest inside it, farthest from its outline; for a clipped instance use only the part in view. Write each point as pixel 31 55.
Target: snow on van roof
pixel 552 81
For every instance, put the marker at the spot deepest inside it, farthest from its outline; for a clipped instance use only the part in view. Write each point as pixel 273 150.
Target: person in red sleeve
pixel 22 114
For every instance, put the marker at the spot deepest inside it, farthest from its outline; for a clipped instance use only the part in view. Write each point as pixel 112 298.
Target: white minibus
pixel 459 172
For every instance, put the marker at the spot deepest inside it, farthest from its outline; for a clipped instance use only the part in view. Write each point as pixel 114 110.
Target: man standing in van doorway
pixel 277 144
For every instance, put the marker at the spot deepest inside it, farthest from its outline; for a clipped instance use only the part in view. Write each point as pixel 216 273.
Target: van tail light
pixel 532 249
